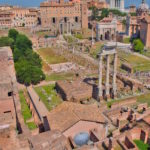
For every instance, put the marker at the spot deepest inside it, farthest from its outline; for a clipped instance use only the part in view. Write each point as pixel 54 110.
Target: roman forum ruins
pixel 107 51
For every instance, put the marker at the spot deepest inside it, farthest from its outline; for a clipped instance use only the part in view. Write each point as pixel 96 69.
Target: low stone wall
pixel 128 101
pixel 127 68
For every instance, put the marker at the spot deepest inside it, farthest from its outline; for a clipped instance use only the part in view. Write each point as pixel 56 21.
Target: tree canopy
pixel 6 41
pixel 27 63
pixel 13 34
pixel 95 13
pixel 104 13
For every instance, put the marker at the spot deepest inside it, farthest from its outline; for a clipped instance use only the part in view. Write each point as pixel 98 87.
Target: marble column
pixel 60 28
pixel 107 76
pixel 63 28
pixel 70 27
pixel 67 27
pixel 100 92
pixel 103 38
pixel 114 75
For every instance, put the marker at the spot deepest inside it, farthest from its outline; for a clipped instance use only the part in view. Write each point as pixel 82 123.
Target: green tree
pixel 124 22
pixel 104 13
pixel 117 12
pixel 95 13
pixel 13 34
pixel 133 14
pixel 33 57
pixel 27 73
pixel 27 63
pixel 138 46
pixel 22 42
pixel 6 41
pixel 17 54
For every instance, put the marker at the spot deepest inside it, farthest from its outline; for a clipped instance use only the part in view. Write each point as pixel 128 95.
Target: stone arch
pixel 107 35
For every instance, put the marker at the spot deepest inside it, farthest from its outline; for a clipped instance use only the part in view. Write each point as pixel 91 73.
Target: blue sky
pixel 37 2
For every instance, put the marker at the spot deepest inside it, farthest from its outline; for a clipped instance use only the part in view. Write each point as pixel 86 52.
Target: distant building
pixel 132 9
pixel 145 31
pixel 6 18
pixel 107 28
pixel 132 25
pixel 116 4
pixel 97 4
pixel 143 9
pixel 18 17
pixel 64 17
pixel 138 26
pixel 24 17
pixel 5 7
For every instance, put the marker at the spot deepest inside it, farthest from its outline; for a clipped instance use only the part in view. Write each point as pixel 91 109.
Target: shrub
pixel 138 46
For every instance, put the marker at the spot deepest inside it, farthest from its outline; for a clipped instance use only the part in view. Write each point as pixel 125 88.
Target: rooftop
pixel 52 140
pixel 67 114
pixel 75 90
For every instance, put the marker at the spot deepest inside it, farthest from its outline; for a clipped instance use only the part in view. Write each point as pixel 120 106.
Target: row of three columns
pixel 107 84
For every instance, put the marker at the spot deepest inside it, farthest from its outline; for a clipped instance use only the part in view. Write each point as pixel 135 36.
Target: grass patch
pixel 59 76
pixel 117 147
pixel 31 125
pixel 50 56
pixel 78 36
pixel 24 107
pixel 45 67
pixel 96 49
pixel 147 53
pixel 138 63
pixel 69 38
pixel 141 145
pixel 43 33
pixel 126 40
pixel 87 33
pixel 144 99
pixel 110 103
pixel 49 96
pixel 25 111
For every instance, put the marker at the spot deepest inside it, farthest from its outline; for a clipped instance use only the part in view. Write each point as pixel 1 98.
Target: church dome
pixel 81 138
pixel 143 6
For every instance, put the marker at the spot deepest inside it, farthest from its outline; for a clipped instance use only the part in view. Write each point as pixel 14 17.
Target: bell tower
pixel 84 15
